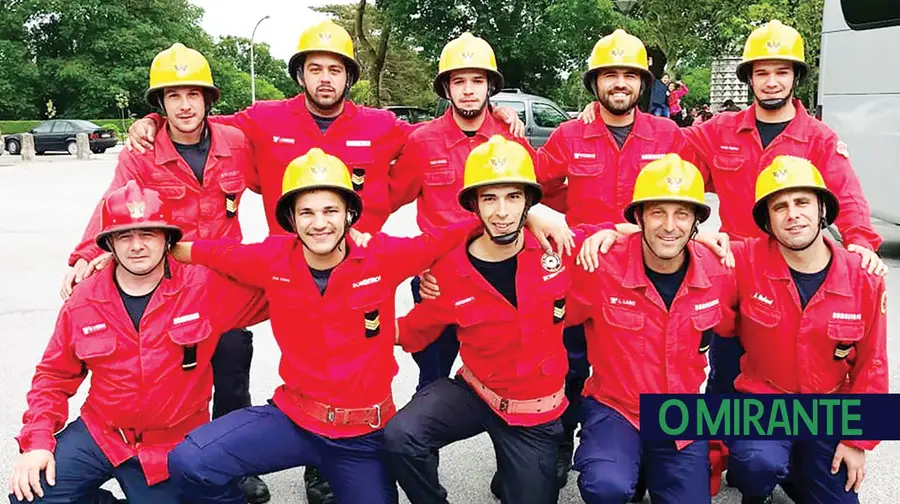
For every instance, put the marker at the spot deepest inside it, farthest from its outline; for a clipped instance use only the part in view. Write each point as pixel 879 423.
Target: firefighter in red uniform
pixel 146 330
pixel 332 307
pixel 601 162
pixel 514 363
pixel 812 321
pixel 198 166
pixel 430 167
pixel 366 139
pixel 649 306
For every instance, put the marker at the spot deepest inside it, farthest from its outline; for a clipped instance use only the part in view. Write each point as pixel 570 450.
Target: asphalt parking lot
pixel 45 205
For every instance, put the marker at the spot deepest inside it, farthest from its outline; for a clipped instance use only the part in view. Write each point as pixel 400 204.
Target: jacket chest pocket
pixel 586 179
pixel 625 327
pixel 188 336
pixel 441 183
pixel 767 318
pixel 703 323
pixel 232 187
pixel 843 335
pixel 96 347
pixel 728 162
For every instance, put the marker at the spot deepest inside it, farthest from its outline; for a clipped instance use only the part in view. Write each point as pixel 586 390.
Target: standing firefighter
pixel 198 166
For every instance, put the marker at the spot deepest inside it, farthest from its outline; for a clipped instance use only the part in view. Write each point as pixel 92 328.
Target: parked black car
pixel 59 135
pixel 411 115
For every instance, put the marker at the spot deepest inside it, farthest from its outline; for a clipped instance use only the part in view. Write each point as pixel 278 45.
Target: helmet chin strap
pixel 512 236
pixel 775 103
pixel 337 244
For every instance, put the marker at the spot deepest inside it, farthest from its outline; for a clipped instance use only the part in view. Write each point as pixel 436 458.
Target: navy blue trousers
pixel 579 370
pixel 724 364
pixel 755 467
pixel 447 411
pixel 436 360
pixel 207 465
pixel 231 371
pixel 612 455
pixel 81 467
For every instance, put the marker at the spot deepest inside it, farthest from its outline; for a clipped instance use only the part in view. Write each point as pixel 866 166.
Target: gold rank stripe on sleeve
pixel 559 310
pixel 373 324
pixel 841 351
pixel 358 178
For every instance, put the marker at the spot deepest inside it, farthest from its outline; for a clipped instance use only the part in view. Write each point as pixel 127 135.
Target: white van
pixel 859 93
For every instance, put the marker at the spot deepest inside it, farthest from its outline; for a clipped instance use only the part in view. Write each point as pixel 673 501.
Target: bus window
pixel 870 14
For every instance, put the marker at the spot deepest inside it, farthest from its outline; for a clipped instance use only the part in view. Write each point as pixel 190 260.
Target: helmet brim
pixel 466 200
pixel 832 206
pixel 284 207
pixel 153 99
pixel 495 78
pixel 174 232
pixel 702 209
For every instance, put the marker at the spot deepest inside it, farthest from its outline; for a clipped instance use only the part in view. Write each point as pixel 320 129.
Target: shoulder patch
pixel 841 149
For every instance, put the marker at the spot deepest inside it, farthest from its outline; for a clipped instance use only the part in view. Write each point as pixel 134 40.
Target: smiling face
pixel 324 80
pixel 667 227
pixel 320 219
pixel 500 207
pixel 794 217
pixel 772 80
pixel 140 251
pixel 618 89
pixel 185 108
pixel 468 91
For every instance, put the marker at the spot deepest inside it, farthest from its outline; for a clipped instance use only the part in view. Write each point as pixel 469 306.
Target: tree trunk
pixel 377 57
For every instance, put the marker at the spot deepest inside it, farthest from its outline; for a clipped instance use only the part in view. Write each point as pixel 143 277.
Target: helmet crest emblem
pixel 181 69
pixel 674 183
pixel 498 164
pixel 780 174
pixel 467 55
pixel 617 53
pixel 773 45
pixel 136 209
pixel 318 171
pixel 324 37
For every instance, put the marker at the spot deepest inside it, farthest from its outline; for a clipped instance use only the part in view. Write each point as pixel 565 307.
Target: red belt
pixel 326 413
pixel 513 406
pixel 173 434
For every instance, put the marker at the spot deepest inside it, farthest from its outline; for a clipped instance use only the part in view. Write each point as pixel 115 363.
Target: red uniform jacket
pixel 431 166
pixel 600 175
pixel 730 155
pixel 141 401
pixel 365 139
pixel 207 210
pixel 837 344
pixel 517 352
pixel 635 345
pixel 328 354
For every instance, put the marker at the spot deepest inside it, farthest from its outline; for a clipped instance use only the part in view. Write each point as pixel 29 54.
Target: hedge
pixel 10 127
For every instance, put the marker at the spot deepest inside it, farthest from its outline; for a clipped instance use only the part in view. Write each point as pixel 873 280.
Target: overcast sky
pixel 280 31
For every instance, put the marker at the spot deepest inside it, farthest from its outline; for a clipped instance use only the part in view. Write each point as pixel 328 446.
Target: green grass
pixel 10 127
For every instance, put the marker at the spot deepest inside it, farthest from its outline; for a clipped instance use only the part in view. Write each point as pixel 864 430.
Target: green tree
pixel 270 72
pixel 19 79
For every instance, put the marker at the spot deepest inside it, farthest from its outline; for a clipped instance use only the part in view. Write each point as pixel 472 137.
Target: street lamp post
pixel 252 70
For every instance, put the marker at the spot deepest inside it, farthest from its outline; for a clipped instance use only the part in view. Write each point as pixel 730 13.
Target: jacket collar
pixel 454 135
pixel 459 257
pixel 797 128
pixel 641 127
pixel 104 289
pixel 635 275
pixel 835 281
pixel 165 148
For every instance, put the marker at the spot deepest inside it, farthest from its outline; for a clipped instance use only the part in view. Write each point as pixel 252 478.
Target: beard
pixel 470 114
pixel 618 108
pixel 324 106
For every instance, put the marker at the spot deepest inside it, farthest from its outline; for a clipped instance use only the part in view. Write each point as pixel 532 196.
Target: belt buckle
pixel 378 423
pixel 330 415
pixel 504 405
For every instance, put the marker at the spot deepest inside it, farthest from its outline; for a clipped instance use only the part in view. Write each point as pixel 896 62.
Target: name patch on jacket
pixel 283 140
pixel 584 155
pixel 186 318
pixel 93 328
pixel 708 304
pixel 619 301
pixel 651 157
pixel 359 143
pixel 367 281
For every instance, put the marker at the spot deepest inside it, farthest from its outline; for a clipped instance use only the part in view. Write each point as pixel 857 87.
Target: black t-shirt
pixel 195 155
pixel 470 134
pixel 501 275
pixel 321 278
pixel 808 283
pixel 620 133
pixel 667 284
pixel 768 131
pixel 135 305
pixel 323 122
